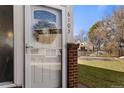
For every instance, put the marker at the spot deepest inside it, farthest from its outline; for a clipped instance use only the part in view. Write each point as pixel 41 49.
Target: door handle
pixel 29 47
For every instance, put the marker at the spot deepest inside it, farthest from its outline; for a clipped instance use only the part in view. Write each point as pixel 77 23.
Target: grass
pixel 95 73
pixel 115 65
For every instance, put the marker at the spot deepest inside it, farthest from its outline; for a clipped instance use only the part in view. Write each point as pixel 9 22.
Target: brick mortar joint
pixel 72 64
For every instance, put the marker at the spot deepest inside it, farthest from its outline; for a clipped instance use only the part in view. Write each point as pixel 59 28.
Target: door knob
pixel 29 47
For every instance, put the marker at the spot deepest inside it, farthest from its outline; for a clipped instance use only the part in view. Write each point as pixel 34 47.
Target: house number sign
pixel 69 22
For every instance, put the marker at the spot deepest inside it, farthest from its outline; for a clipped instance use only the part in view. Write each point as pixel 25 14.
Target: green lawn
pixel 94 73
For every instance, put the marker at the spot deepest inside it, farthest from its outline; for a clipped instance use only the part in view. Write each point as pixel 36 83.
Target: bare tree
pixel 81 36
pixel 118 18
pixel 108 33
pixel 97 35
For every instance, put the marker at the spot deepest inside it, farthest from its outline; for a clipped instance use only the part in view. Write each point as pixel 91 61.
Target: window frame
pixel 18 30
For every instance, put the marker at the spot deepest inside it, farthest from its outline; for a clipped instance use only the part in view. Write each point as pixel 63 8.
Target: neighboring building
pixel 85 49
pixel 33 45
pixel 86 45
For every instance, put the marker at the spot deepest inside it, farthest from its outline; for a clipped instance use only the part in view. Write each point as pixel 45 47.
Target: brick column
pixel 72 69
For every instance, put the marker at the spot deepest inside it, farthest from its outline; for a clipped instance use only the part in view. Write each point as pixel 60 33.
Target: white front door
pixel 43 46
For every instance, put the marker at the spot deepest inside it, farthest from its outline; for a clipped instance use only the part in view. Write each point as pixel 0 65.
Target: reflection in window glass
pixel 6 43
pixel 44 15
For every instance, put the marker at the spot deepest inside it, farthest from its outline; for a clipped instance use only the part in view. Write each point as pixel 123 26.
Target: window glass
pixel 44 15
pixel 6 44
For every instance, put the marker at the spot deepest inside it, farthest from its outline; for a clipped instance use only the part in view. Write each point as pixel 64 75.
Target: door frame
pixel 64 42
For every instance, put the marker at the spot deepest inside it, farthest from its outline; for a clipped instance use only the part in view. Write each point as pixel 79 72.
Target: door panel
pixel 44 48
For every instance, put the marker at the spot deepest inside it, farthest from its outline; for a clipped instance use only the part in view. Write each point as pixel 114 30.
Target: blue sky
pixel 86 15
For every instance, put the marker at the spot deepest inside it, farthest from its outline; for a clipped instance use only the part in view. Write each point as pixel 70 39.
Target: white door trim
pixel 64 43
pixel 18 45
pixel 27 28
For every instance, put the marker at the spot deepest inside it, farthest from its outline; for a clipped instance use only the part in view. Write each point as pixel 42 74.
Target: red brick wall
pixel 72 70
